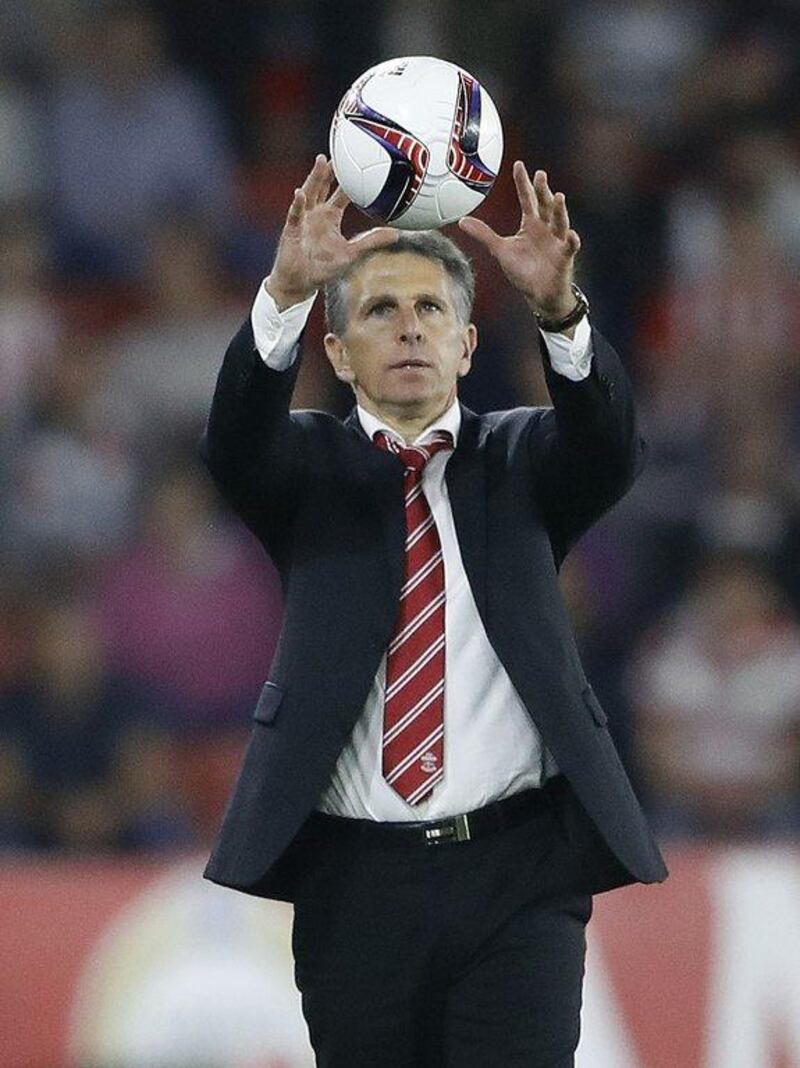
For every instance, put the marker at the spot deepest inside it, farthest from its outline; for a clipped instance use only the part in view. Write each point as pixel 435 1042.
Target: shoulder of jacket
pixel 313 421
pixel 513 421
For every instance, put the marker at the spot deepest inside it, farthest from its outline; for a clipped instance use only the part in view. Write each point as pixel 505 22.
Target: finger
pixel 560 217
pixel 525 194
pixel 339 200
pixel 309 179
pixel 296 208
pixel 478 229
pixel 327 181
pixel 380 237
pixel 573 243
pixel 312 186
pixel 544 195
pixel 322 178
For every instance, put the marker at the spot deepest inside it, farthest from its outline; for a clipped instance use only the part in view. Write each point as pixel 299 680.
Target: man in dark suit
pixel 430 777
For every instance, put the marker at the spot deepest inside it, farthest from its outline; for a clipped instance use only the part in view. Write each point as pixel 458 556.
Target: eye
pixel 381 307
pixel 430 305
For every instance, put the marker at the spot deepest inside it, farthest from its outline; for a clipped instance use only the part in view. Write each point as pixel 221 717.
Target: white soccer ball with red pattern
pixel 416 143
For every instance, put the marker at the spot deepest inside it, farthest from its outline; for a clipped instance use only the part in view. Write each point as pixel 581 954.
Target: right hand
pixel 312 249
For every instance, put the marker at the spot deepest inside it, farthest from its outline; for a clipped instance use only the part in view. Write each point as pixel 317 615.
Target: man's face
pixel 404 347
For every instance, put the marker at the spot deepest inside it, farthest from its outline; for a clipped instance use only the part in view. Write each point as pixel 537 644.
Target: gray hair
pixel 428 243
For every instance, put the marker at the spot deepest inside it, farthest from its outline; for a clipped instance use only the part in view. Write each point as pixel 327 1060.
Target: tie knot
pixel 414 456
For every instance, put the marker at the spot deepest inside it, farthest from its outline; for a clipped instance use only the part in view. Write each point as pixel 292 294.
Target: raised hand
pixel 539 258
pixel 312 249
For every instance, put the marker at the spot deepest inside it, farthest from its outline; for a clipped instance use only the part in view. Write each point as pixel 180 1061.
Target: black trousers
pixel 465 954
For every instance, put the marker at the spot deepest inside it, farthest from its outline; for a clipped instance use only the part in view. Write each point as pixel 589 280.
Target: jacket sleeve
pixel 586 450
pixel 251 446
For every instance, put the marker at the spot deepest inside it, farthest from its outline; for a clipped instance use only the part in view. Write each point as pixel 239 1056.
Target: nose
pixel 409 326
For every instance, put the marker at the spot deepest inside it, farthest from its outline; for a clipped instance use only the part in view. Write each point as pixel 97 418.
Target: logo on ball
pixel 463 159
pixel 409 158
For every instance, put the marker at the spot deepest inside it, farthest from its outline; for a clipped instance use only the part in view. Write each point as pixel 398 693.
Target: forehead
pixel 399 273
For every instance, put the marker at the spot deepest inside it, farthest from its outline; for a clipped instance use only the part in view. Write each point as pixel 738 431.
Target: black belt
pixel 508 812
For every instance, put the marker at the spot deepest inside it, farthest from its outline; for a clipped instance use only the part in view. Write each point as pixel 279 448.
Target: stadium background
pixel 147 156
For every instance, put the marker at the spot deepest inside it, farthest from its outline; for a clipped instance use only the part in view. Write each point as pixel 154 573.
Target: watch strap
pixel 557 326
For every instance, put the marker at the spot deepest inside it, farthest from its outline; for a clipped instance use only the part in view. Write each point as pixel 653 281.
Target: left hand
pixel 539 258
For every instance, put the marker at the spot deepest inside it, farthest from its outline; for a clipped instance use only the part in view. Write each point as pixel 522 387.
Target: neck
pixel 408 425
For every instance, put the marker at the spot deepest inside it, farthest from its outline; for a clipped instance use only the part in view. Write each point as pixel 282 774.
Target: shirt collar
pixel 449 420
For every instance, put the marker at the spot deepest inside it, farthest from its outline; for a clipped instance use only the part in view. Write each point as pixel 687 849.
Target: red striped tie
pixel 413 711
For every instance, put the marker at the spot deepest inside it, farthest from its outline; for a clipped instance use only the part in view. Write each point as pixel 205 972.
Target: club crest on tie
pixel 428 762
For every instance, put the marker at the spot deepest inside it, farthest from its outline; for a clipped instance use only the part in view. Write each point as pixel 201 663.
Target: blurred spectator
pixel 18 622
pixel 129 135
pixel 30 33
pixel 736 317
pixel 83 820
pixel 30 325
pixel 753 504
pixel 21 162
pixel 192 607
pixel 749 176
pixel 223 44
pixel 749 75
pixel 629 55
pixel 152 813
pixel 716 689
pixel 60 729
pixel 617 208
pixel 20 822
pixel 589 580
pixel 163 364
pixel 716 481
pixel 720 373
pixel 73 485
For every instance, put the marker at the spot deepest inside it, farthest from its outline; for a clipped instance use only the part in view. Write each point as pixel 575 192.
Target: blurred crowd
pixel 147 156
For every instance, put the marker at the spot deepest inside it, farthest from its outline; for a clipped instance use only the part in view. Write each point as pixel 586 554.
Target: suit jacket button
pixel 608 385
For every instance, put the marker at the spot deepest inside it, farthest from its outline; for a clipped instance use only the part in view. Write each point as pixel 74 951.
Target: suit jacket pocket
pixel 594 706
pixel 268 703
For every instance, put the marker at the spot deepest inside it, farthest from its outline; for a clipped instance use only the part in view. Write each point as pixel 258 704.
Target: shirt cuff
pixel 276 332
pixel 571 357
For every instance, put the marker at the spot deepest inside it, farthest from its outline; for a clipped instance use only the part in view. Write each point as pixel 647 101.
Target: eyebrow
pixel 380 298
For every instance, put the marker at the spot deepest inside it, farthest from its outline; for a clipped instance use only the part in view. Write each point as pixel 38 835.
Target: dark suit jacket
pixel 328 507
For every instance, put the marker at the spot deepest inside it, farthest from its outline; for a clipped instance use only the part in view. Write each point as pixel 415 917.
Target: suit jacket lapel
pixel 467 486
pixel 384 477
pixel 352 422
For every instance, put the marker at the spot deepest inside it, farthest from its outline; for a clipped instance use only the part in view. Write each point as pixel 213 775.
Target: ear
pixel 337 354
pixel 470 344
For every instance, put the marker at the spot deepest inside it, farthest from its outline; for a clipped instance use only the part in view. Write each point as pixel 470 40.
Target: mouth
pixel 409 365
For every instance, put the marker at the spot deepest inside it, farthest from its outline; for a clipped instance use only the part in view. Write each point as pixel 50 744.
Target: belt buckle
pixel 456 829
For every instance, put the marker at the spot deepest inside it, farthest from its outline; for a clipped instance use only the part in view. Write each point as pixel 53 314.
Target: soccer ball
pixel 416 143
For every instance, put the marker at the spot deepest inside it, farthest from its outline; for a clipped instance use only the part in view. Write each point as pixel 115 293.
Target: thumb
pixel 479 230
pixel 379 237
pixel 573 243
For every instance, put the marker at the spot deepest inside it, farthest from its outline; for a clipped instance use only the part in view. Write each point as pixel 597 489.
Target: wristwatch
pixel 557 326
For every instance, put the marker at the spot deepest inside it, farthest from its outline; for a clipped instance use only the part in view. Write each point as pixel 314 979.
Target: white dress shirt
pixel 492 748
